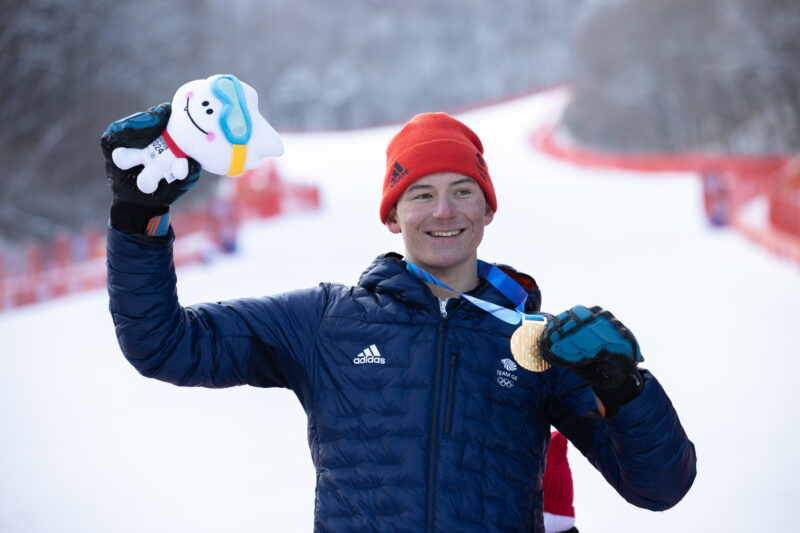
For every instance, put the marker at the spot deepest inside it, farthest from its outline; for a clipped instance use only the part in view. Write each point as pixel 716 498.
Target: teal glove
pixel 132 211
pixel 600 349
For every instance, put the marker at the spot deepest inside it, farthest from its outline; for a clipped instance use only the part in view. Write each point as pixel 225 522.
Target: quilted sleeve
pixel 642 451
pixel 260 341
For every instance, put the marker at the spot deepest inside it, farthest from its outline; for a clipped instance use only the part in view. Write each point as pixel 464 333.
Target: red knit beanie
pixel 428 143
pixel 559 514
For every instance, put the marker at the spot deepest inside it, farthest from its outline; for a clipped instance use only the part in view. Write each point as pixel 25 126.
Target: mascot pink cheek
pixel 210 136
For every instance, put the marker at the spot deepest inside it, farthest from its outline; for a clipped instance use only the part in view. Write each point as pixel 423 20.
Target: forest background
pixel 672 76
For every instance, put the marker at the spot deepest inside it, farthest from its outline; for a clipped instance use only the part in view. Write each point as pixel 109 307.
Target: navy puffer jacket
pixel 416 421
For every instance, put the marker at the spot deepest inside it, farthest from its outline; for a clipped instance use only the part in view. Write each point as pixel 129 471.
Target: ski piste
pixel 88 444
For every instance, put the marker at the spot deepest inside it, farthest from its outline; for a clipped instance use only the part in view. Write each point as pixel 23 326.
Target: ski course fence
pixel 76 261
pixel 759 196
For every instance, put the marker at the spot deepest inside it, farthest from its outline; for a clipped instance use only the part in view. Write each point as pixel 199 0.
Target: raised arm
pixel 263 342
pixel 259 341
pixel 632 435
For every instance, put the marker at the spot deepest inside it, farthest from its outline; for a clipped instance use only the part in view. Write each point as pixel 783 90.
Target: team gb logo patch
pixel 506 377
pixel 509 365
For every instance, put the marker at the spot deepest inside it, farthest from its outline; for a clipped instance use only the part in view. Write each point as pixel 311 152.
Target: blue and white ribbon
pixel 500 281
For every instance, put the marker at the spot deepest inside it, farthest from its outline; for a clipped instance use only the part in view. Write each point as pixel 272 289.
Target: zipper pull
pixel 443 307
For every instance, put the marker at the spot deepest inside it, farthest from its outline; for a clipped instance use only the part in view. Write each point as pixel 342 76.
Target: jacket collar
pixel 387 274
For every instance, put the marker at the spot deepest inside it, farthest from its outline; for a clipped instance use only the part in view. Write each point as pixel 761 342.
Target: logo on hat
pixel 398 173
pixel 481 167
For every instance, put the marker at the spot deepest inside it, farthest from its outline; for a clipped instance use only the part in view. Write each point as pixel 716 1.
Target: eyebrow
pixel 415 186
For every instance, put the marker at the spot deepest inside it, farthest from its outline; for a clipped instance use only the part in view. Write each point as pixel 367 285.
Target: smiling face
pixel 203 112
pixel 441 217
pixel 217 122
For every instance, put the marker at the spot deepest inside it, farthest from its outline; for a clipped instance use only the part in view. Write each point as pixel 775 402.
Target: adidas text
pixel 370 355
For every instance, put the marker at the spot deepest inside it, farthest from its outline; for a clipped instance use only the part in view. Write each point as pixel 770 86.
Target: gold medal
pixel 525 345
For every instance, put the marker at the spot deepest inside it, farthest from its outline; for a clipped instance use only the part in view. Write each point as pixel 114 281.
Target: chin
pixel 444 262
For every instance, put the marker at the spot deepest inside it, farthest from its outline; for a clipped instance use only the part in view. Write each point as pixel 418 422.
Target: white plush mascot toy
pixel 214 121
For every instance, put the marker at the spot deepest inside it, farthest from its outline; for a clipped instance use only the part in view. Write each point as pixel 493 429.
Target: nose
pixel 444 207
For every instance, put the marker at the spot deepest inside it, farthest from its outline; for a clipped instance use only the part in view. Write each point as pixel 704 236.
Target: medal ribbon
pixel 500 281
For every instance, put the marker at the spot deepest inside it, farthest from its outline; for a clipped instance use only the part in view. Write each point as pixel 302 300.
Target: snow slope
pixel 87 445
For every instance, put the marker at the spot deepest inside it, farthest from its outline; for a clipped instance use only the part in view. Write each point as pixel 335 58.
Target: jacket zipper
pixel 434 429
pixel 451 383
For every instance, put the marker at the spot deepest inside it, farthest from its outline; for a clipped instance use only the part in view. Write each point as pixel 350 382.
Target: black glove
pixel 132 211
pixel 597 347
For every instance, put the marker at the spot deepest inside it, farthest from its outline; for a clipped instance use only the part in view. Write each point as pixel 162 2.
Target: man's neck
pixel 462 278
pixel 441 292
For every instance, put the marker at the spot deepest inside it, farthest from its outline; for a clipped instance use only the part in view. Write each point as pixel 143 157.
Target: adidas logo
pixel 481 166
pixel 398 173
pixel 370 355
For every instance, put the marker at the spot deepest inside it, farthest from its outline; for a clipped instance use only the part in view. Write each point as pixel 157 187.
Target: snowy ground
pixel 87 445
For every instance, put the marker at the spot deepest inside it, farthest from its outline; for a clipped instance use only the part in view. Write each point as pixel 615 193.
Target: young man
pixel 418 417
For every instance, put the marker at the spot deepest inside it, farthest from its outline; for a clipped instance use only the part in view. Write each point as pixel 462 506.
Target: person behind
pixel 557 492
pixel 419 419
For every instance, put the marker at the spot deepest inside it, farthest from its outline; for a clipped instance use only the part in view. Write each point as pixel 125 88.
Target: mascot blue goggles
pixel 234 118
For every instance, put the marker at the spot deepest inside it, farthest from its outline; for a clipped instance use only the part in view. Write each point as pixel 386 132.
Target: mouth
pixel 190 117
pixel 445 234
